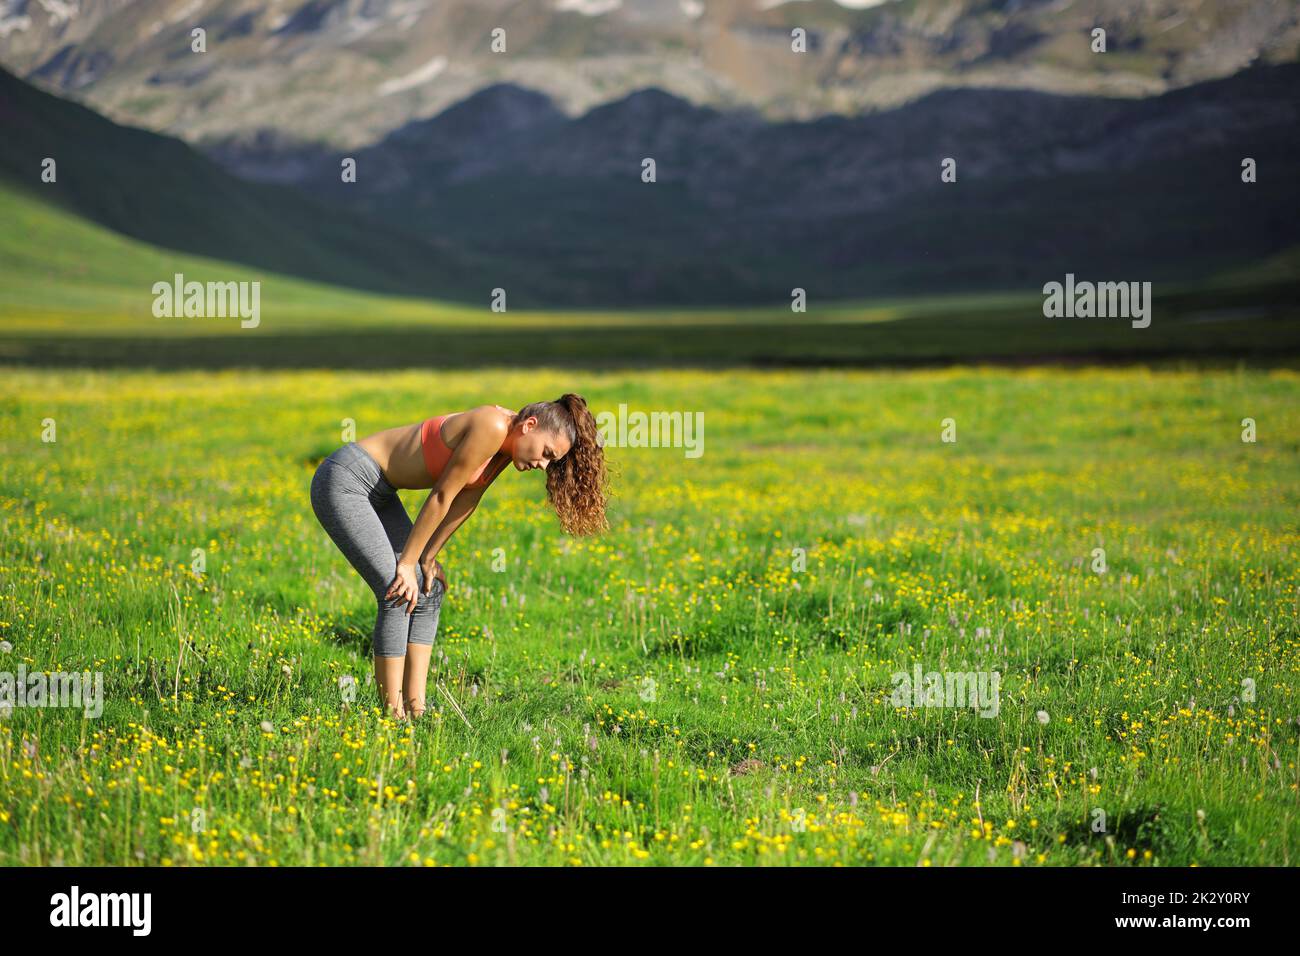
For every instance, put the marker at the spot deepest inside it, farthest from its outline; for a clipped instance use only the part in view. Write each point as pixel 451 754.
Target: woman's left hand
pixel 432 569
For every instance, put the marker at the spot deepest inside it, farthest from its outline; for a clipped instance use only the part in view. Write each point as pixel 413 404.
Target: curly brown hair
pixel 577 482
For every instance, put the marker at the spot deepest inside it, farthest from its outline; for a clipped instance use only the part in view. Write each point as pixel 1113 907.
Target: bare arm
pixel 462 506
pixel 478 444
pixel 480 441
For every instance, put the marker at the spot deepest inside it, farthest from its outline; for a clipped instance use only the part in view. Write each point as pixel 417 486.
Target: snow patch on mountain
pixel 58 11
pixel 185 12
pixel 416 77
pixel 847 4
pixel 14 25
pixel 13 17
pixel 588 8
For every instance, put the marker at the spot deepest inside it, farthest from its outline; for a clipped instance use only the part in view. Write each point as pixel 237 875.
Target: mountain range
pixel 506 191
pixel 345 73
pixel 509 186
pixel 744 210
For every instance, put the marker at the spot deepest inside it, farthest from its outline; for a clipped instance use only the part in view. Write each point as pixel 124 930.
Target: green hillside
pixel 74 293
pixel 60 273
pixel 160 190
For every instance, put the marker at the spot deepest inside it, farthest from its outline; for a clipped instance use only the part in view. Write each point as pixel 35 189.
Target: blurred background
pixel 520 168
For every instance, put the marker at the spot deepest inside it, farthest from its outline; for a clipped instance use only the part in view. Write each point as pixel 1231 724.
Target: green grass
pixel 767 735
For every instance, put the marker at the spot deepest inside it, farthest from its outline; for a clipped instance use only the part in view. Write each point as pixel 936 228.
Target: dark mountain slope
pixel 159 190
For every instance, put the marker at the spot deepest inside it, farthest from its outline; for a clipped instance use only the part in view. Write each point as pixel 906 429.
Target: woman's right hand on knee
pixel 404 586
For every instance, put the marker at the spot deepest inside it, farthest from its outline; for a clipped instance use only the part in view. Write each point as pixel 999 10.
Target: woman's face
pixel 535 448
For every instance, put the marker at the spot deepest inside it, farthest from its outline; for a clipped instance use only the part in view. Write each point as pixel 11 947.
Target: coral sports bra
pixel 437 454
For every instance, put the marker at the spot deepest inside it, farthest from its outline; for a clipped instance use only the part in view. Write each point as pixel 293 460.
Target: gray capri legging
pixel 361 512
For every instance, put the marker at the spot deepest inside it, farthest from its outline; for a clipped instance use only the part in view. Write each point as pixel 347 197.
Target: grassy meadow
pixel 710 683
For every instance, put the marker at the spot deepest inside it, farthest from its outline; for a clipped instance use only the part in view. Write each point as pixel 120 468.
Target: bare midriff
pixel 397 450
pixel 400 453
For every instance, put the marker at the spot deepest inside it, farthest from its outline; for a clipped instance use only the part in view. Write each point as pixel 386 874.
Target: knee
pixel 391 625
pixel 430 605
pixel 380 576
pixel 427 612
pixel 432 600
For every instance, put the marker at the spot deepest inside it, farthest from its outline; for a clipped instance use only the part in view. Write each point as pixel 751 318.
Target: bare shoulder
pixel 485 425
pixel 487 417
